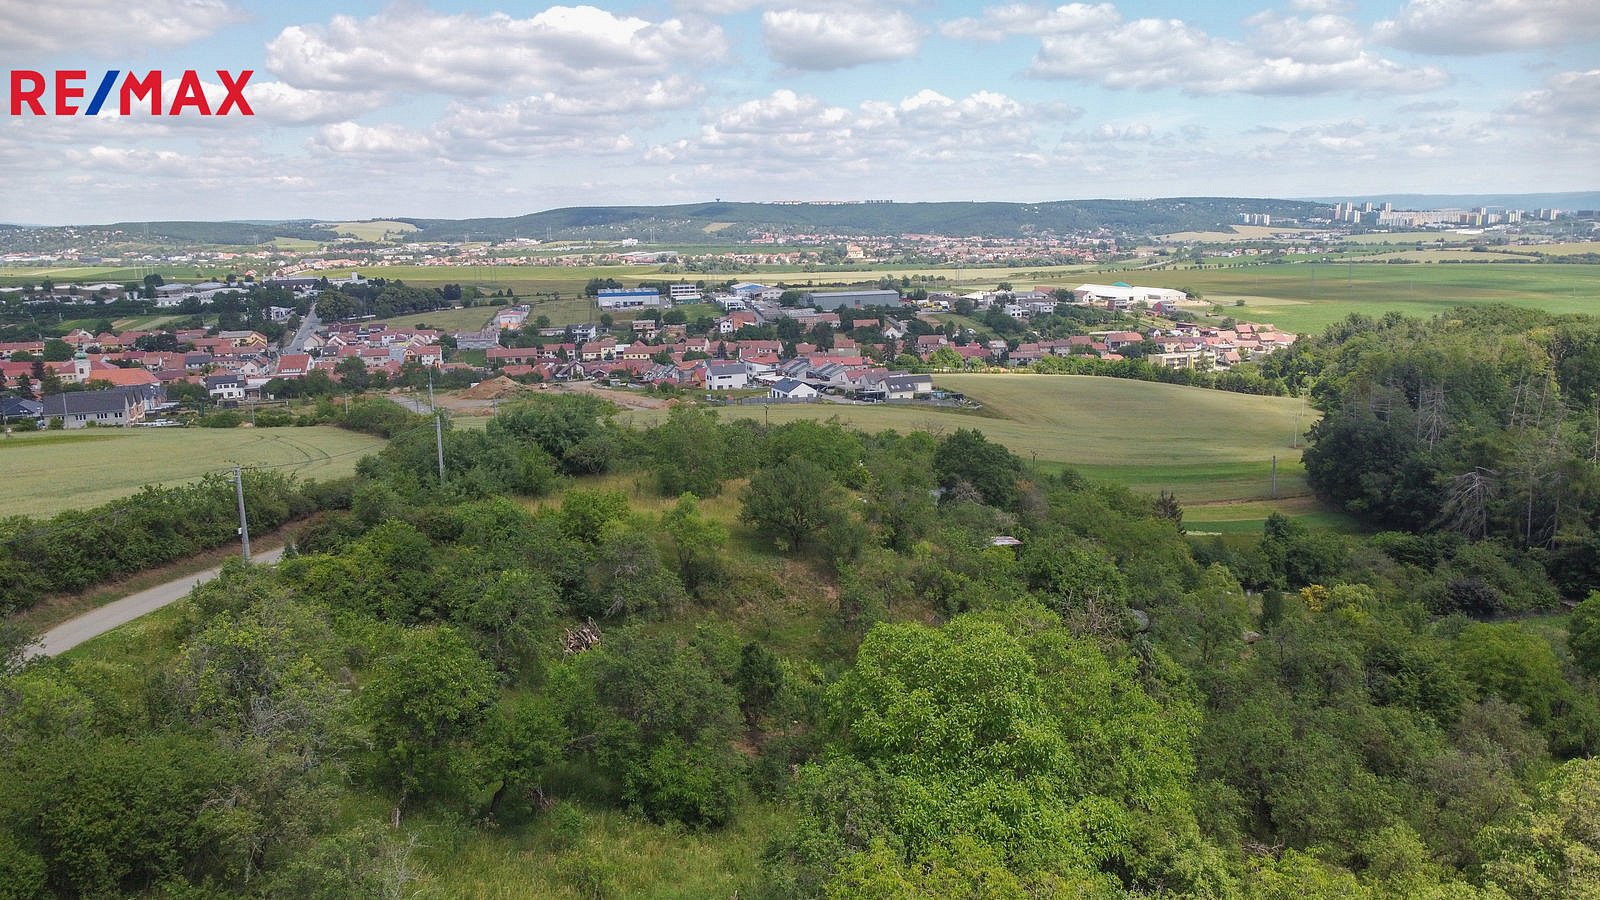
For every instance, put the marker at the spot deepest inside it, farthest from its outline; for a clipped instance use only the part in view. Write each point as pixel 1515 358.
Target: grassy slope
pixel 47 472
pixel 1210 447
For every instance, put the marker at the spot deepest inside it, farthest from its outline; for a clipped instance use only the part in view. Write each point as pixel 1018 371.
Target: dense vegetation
pixel 1479 425
pixel 814 621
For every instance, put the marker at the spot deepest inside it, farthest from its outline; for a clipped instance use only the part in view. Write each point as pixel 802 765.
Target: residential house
pixel 723 376
pixel 293 365
pixel 225 387
pixel 79 409
pixel 790 389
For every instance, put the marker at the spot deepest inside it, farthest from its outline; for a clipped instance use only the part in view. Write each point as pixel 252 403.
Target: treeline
pixel 1109 709
pixel 1246 379
pixel 1482 423
pixel 78 549
pixel 384 298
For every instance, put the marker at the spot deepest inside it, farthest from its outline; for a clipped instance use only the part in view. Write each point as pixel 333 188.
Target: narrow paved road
pixel 92 624
pixel 307 325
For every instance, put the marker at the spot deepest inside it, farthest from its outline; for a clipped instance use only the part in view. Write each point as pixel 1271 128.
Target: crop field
pixel 1310 296
pixel 11 275
pixel 1210 447
pixel 47 472
pixel 372 231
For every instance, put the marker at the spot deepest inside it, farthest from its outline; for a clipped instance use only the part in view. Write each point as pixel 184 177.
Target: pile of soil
pixel 493 389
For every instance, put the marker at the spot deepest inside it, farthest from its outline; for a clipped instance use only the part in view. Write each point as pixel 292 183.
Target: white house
pixel 791 389
pixel 726 376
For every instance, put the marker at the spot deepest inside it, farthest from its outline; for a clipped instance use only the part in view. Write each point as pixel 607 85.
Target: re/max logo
pixel 28 87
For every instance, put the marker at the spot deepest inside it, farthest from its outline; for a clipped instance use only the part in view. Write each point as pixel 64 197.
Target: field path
pixel 92 624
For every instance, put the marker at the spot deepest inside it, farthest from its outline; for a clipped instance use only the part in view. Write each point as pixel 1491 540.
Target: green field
pixel 469 318
pixel 1206 446
pixel 46 472
pixel 1307 297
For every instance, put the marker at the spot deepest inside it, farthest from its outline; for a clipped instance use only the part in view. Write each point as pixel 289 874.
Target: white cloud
pixel 546 124
pixel 998 22
pixel 717 7
pixel 563 47
pixel 1321 6
pixel 1489 26
pixel 109 26
pixel 1151 54
pixel 1318 39
pixel 1567 106
pixel 276 102
pixel 838 39
pixel 796 130
pixel 387 140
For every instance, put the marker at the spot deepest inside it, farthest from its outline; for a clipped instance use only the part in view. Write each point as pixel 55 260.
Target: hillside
pixel 736 220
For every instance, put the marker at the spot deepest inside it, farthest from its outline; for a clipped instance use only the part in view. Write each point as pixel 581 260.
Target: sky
pixel 440 109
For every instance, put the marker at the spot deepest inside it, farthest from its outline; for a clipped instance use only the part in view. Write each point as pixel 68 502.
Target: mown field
pixel 469 318
pixel 47 472
pixel 1208 447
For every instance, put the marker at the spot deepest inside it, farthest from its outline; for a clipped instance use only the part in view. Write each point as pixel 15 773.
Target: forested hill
pixel 233 233
pixel 737 220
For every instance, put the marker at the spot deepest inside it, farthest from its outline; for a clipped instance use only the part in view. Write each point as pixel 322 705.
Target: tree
pixel 1583 634
pixel 425 700
pixel 57 350
pixel 25 387
pixel 353 374
pixel 792 501
pixel 1553 848
pixel 697 542
pixel 944 358
pixel 967 457
pixel 663 718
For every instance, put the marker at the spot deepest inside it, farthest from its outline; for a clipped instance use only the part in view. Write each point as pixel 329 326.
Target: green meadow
pixel 47 472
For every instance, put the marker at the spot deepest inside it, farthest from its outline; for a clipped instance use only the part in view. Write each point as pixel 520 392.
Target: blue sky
pixel 458 110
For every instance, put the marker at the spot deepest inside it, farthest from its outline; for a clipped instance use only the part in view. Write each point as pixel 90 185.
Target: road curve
pixel 96 622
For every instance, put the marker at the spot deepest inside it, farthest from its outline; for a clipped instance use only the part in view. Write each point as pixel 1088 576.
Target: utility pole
pixel 438 436
pixel 1273 493
pixel 430 392
pixel 244 525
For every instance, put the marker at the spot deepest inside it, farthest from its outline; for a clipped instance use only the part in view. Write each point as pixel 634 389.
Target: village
pixel 767 344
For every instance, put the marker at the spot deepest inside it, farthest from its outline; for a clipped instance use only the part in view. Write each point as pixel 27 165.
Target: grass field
pixel 469 318
pixel 144 323
pixel 1310 296
pixel 372 231
pixel 1210 447
pixel 46 472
